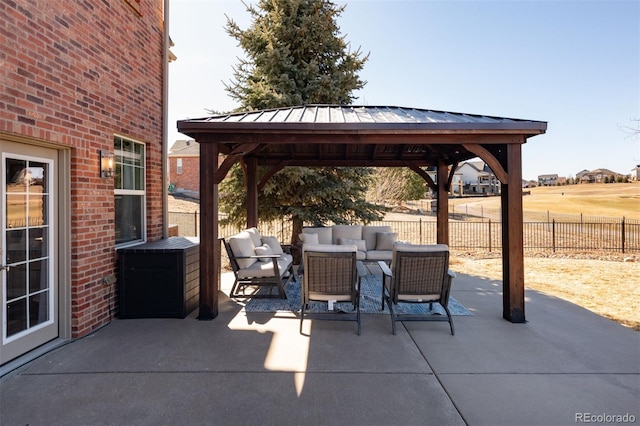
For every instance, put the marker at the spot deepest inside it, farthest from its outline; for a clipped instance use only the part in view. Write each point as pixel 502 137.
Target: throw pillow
pixel 273 243
pixel 309 238
pixel 385 240
pixel 264 250
pixel 360 244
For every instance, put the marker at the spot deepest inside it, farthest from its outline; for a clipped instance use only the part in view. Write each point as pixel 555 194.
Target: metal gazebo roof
pixel 315 135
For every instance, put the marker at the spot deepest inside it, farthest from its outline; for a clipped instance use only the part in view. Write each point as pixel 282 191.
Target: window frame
pixel 142 193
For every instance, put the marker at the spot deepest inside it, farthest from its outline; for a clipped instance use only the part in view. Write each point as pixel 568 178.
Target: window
pixel 129 190
pixel 179 166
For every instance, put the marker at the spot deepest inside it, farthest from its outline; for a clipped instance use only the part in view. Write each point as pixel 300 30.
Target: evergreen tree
pixel 295 55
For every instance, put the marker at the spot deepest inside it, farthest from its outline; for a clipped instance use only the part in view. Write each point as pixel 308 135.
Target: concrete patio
pixel 565 366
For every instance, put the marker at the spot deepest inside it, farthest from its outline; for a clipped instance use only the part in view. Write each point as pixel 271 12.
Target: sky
pixel 574 64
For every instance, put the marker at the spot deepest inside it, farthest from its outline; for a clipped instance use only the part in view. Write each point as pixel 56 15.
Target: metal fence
pixel 595 234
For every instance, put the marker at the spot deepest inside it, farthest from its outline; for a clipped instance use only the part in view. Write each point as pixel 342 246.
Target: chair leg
pixel 446 309
pixel 234 288
pixel 358 317
pixel 392 315
pixel 301 316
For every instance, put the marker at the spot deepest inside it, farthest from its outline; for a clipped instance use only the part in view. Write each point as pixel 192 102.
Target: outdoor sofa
pixel 374 243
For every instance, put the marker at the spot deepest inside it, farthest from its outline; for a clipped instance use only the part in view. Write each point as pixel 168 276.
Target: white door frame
pixel 61 224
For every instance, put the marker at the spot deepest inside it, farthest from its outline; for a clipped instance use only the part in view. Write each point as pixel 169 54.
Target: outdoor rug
pixel 370 302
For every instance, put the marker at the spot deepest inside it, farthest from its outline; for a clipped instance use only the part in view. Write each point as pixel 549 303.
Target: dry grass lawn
pixel 606 287
pixel 611 200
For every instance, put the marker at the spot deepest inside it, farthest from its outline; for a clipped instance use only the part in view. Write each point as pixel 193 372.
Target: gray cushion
pixel 386 240
pixel 360 244
pixel 273 242
pixel 242 246
pixel 255 236
pixel 362 248
pixel 420 248
pixel 308 238
pixel 261 269
pixel 264 250
pixel 380 255
pixel 324 234
pixel 353 232
pixel 370 234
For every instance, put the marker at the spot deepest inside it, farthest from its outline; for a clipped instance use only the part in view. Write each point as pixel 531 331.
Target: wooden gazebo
pixel 359 136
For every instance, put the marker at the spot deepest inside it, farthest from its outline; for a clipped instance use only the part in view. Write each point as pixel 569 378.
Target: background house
pixel 83 81
pixel 548 180
pixel 477 178
pixel 596 176
pixel 184 168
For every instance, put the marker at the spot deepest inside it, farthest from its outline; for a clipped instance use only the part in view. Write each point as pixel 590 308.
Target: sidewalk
pixel 564 366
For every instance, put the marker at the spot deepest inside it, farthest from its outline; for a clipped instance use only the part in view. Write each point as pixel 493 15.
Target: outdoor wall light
pixel 106 164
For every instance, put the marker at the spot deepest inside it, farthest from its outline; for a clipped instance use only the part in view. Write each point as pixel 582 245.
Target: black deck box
pixel 159 279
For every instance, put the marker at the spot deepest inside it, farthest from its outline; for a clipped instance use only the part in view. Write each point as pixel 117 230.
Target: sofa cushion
pixel 353 232
pixel 324 234
pixel 309 238
pixel 358 243
pixel 264 250
pixel 242 246
pixel 370 234
pixel 420 248
pixel 273 242
pixel 385 255
pixel 386 240
pixel 329 248
pixel 362 248
pixel 255 236
pixel 262 269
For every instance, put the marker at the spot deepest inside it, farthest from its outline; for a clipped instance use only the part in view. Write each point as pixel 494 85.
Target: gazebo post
pixel 209 245
pixel 512 238
pixel 443 204
pixel 252 191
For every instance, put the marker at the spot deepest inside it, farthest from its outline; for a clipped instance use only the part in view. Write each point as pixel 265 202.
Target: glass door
pixel 29 309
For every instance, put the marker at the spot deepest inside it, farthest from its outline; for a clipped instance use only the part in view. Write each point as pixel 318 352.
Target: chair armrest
pixel 264 256
pixel 451 273
pixel 259 256
pixel 385 268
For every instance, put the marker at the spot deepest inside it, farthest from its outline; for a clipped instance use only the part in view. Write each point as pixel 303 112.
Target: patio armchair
pixel 418 274
pixel 331 274
pixel 258 262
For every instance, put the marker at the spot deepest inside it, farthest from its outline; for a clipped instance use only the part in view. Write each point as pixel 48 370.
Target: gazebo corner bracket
pixel 488 158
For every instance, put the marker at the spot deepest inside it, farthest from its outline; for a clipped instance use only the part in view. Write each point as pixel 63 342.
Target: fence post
pixel 622 232
pixel 553 235
pixel 195 222
pixel 420 225
pixel 489 235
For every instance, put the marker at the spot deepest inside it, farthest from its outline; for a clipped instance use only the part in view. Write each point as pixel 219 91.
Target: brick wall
pixel 72 74
pixel 189 179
